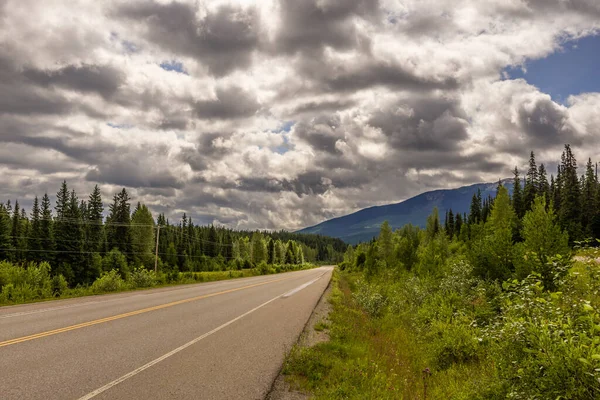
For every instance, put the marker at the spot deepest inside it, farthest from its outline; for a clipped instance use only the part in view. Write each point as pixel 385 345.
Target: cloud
pixel 280 113
pixel 230 103
pixel 223 39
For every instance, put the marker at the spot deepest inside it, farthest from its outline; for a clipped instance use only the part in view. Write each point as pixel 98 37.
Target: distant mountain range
pixel 363 225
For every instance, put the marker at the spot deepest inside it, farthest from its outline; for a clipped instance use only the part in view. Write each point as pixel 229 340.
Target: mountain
pixel 363 225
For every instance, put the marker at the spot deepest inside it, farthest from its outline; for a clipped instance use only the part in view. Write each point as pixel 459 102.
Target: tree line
pixel 80 242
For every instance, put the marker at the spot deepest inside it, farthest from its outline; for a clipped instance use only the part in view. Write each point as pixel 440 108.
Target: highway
pixel 218 340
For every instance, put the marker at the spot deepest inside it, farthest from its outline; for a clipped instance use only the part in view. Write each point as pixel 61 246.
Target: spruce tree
pixel 517 199
pixel 118 224
pixel 543 239
pixel 570 196
pixel 74 243
pixel 35 238
pixel 5 231
pixel 543 188
pixel 589 205
pixel 17 233
pixel 450 229
pixel 475 210
pixel 211 248
pixel 143 236
pixel 95 228
pixel 531 184
pixel 46 231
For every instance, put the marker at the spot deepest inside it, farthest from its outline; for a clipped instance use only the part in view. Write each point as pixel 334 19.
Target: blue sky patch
pixel 571 71
pixel 285 127
pixel 119 126
pixel 173 65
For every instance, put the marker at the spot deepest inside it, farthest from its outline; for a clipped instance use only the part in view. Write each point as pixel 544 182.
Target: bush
pixel 59 285
pixel 454 343
pixel 142 278
pixel 109 282
pixel 370 299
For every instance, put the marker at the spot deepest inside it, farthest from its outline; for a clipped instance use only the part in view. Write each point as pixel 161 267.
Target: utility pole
pixel 156 252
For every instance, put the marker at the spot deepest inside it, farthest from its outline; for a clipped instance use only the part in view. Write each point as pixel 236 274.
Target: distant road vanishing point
pixel 219 340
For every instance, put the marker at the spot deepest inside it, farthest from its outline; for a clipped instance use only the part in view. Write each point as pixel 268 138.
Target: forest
pixel 501 303
pixel 77 244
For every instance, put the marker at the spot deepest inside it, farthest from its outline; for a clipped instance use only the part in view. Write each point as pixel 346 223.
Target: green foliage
pixel 116 261
pixel 142 278
pixel 110 281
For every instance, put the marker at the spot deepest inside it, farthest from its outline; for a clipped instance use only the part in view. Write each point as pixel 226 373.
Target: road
pixel 218 340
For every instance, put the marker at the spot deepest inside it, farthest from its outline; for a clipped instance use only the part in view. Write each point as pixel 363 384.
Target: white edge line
pixel 186 345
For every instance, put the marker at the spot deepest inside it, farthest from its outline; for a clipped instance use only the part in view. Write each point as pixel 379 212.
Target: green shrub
pixel 59 285
pixel 370 299
pixel 142 278
pixel 109 282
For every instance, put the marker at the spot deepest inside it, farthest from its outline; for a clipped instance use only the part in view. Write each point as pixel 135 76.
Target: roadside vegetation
pixel 496 307
pixel 72 249
pixel 35 282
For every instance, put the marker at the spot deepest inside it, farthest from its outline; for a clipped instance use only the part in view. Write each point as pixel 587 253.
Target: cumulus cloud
pixel 287 112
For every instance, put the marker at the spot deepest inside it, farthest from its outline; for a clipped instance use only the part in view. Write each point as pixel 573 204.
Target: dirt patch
pixel 309 337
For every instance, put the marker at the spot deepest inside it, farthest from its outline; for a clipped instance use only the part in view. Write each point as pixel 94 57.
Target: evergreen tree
pixel 16 234
pixel 451 224
pixel 5 231
pixel 517 198
pixel 143 236
pixel 259 249
pixel 95 229
pixel 46 230
pixel 35 237
pixel 118 230
pixel 492 252
pixel 211 248
pixel 74 243
pixel 475 210
pixel 531 184
pixel 271 252
pixel 543 188
pixel 543 239
pixel 458 223
pixel 570 196
pixel 588 199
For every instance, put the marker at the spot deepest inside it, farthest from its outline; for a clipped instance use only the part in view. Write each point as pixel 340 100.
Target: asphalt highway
pixel 218 340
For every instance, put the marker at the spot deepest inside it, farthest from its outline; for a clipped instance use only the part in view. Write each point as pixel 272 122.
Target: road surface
pixel 218 340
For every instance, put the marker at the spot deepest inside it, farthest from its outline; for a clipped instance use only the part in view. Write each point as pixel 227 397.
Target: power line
pixel 107 252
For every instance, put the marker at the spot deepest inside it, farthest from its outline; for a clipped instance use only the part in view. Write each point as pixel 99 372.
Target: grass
pixel 321 326
pixel 24 292
pixel 375 358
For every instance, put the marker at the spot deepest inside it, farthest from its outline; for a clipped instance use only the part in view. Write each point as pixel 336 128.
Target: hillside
pixel 364 224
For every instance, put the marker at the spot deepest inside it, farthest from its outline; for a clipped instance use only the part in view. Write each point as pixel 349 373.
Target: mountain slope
pixel 364 224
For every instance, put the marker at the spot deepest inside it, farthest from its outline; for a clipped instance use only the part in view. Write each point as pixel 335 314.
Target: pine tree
pixel 17 234
pixel 543 188
pixel 451 224
pixel 211 248
pixel 119 218
pixel 143 236
pixel 46 231
pixel 95 229
pixel 588 199
pixel 74 243
pixel 531 184
pixel 492 254
pixel 458 223
pixel 543 239
pixel 475 210
pixel 35 238
pixel 5 231
pixel 570 196
pixel 517 199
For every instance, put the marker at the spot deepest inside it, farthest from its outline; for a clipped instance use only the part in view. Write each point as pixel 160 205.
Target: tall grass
pixel 34 282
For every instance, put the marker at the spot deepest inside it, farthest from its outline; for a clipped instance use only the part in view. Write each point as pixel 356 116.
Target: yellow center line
pixel 128 314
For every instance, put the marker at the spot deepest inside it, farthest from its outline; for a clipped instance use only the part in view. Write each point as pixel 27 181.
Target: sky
pixel 279 114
